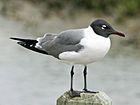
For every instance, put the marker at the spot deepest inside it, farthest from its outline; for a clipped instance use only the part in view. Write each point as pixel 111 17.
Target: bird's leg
pixel 72 73
pixel 73 93
pixel 85 81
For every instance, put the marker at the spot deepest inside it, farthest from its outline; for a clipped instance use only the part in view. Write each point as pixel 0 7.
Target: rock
pixel 85 99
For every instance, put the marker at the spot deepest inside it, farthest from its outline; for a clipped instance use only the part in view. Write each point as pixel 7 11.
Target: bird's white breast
pixel 95 48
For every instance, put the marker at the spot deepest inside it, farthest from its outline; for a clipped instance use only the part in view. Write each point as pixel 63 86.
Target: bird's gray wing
pixel 65 41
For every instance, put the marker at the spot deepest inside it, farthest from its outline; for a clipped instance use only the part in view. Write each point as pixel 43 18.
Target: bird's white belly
pixel 95 48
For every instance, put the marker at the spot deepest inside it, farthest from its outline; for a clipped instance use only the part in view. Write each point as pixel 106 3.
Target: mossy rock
pixel 85 99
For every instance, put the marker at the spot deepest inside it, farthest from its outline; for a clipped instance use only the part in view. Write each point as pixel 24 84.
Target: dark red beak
pixel 118 33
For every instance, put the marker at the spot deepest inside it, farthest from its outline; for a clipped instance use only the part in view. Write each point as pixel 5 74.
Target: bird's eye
pixel 104 27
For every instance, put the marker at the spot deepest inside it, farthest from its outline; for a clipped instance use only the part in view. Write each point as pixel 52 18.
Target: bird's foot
pixel 74 93
pixel 88 91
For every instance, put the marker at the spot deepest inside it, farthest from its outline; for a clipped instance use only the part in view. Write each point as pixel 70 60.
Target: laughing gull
pixel 75 46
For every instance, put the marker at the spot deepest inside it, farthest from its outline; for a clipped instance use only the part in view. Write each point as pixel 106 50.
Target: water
pixel 28 78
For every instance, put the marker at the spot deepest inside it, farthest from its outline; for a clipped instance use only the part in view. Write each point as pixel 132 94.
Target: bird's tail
pixel 29 44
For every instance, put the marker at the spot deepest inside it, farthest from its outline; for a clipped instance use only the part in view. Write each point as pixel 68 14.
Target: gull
pixel 75 46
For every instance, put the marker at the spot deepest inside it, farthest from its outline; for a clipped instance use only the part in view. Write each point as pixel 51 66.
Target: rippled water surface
pixel 28 78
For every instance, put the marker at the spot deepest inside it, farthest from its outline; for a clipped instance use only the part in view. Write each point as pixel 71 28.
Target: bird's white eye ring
pixel 104 26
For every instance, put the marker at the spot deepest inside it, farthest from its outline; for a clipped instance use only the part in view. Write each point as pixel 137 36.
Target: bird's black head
pixel 103 28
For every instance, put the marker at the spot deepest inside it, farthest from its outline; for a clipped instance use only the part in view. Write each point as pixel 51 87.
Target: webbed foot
pixel 74 93
pixel 88 91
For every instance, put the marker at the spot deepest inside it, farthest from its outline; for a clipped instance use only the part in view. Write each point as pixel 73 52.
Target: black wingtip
pixel 30 41
pixel 29 44
pixel 13 38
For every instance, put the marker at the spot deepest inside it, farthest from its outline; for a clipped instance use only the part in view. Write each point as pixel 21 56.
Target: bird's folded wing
pixel 65 41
